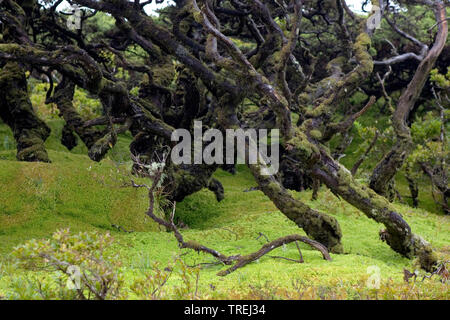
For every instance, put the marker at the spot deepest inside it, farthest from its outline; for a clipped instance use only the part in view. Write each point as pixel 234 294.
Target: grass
pixel 73 192
pixel 39 198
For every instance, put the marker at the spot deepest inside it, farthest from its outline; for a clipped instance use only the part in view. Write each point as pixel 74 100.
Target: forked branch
pixel 157 175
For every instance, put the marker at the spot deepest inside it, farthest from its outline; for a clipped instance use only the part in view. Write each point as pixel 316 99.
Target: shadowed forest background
pixel 92 207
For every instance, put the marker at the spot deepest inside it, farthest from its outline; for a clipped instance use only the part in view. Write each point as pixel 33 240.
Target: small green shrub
pixel 153 285
pixel 77 267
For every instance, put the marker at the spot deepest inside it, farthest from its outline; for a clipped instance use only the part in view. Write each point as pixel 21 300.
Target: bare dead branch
pixel 244 260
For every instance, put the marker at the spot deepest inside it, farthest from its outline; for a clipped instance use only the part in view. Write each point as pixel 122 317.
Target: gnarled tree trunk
pixel 398 233
pixel 74 122
pixel 17 112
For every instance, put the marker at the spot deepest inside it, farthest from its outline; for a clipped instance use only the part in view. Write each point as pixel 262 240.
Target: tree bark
pixel 321 227
pixel 398 233
pixel 17 112
pixel 63 98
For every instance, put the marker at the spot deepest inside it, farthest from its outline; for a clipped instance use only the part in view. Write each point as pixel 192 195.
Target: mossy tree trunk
pixel 63 97
pixel 17 112
pixel 319 226
pixel 398 233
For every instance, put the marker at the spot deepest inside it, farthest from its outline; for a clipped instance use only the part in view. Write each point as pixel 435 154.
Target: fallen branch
pixel 244 260
pixel 241 261
pixel 299 251
pixel 187 244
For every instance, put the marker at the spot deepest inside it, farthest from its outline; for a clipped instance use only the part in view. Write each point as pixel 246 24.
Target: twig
pixel 289 259
pixel 231 232
pixel 366 153
pixel 262 235
pixel 120 228
pixel 299 251
pixel 244 260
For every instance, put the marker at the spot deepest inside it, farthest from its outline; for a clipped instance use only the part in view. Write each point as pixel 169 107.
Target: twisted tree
pixel 206 60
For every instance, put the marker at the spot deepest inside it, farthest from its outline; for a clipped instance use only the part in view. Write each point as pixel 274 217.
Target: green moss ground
pixel 73 192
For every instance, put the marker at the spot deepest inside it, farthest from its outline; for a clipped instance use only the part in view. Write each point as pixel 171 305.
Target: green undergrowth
pixel 73 192
pixel 36 199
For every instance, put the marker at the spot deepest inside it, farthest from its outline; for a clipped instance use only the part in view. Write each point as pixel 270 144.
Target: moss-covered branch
pixel 17 112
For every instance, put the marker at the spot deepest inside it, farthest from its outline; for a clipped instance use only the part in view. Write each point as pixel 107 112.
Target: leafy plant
pixel 153 286
pixel 83 267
